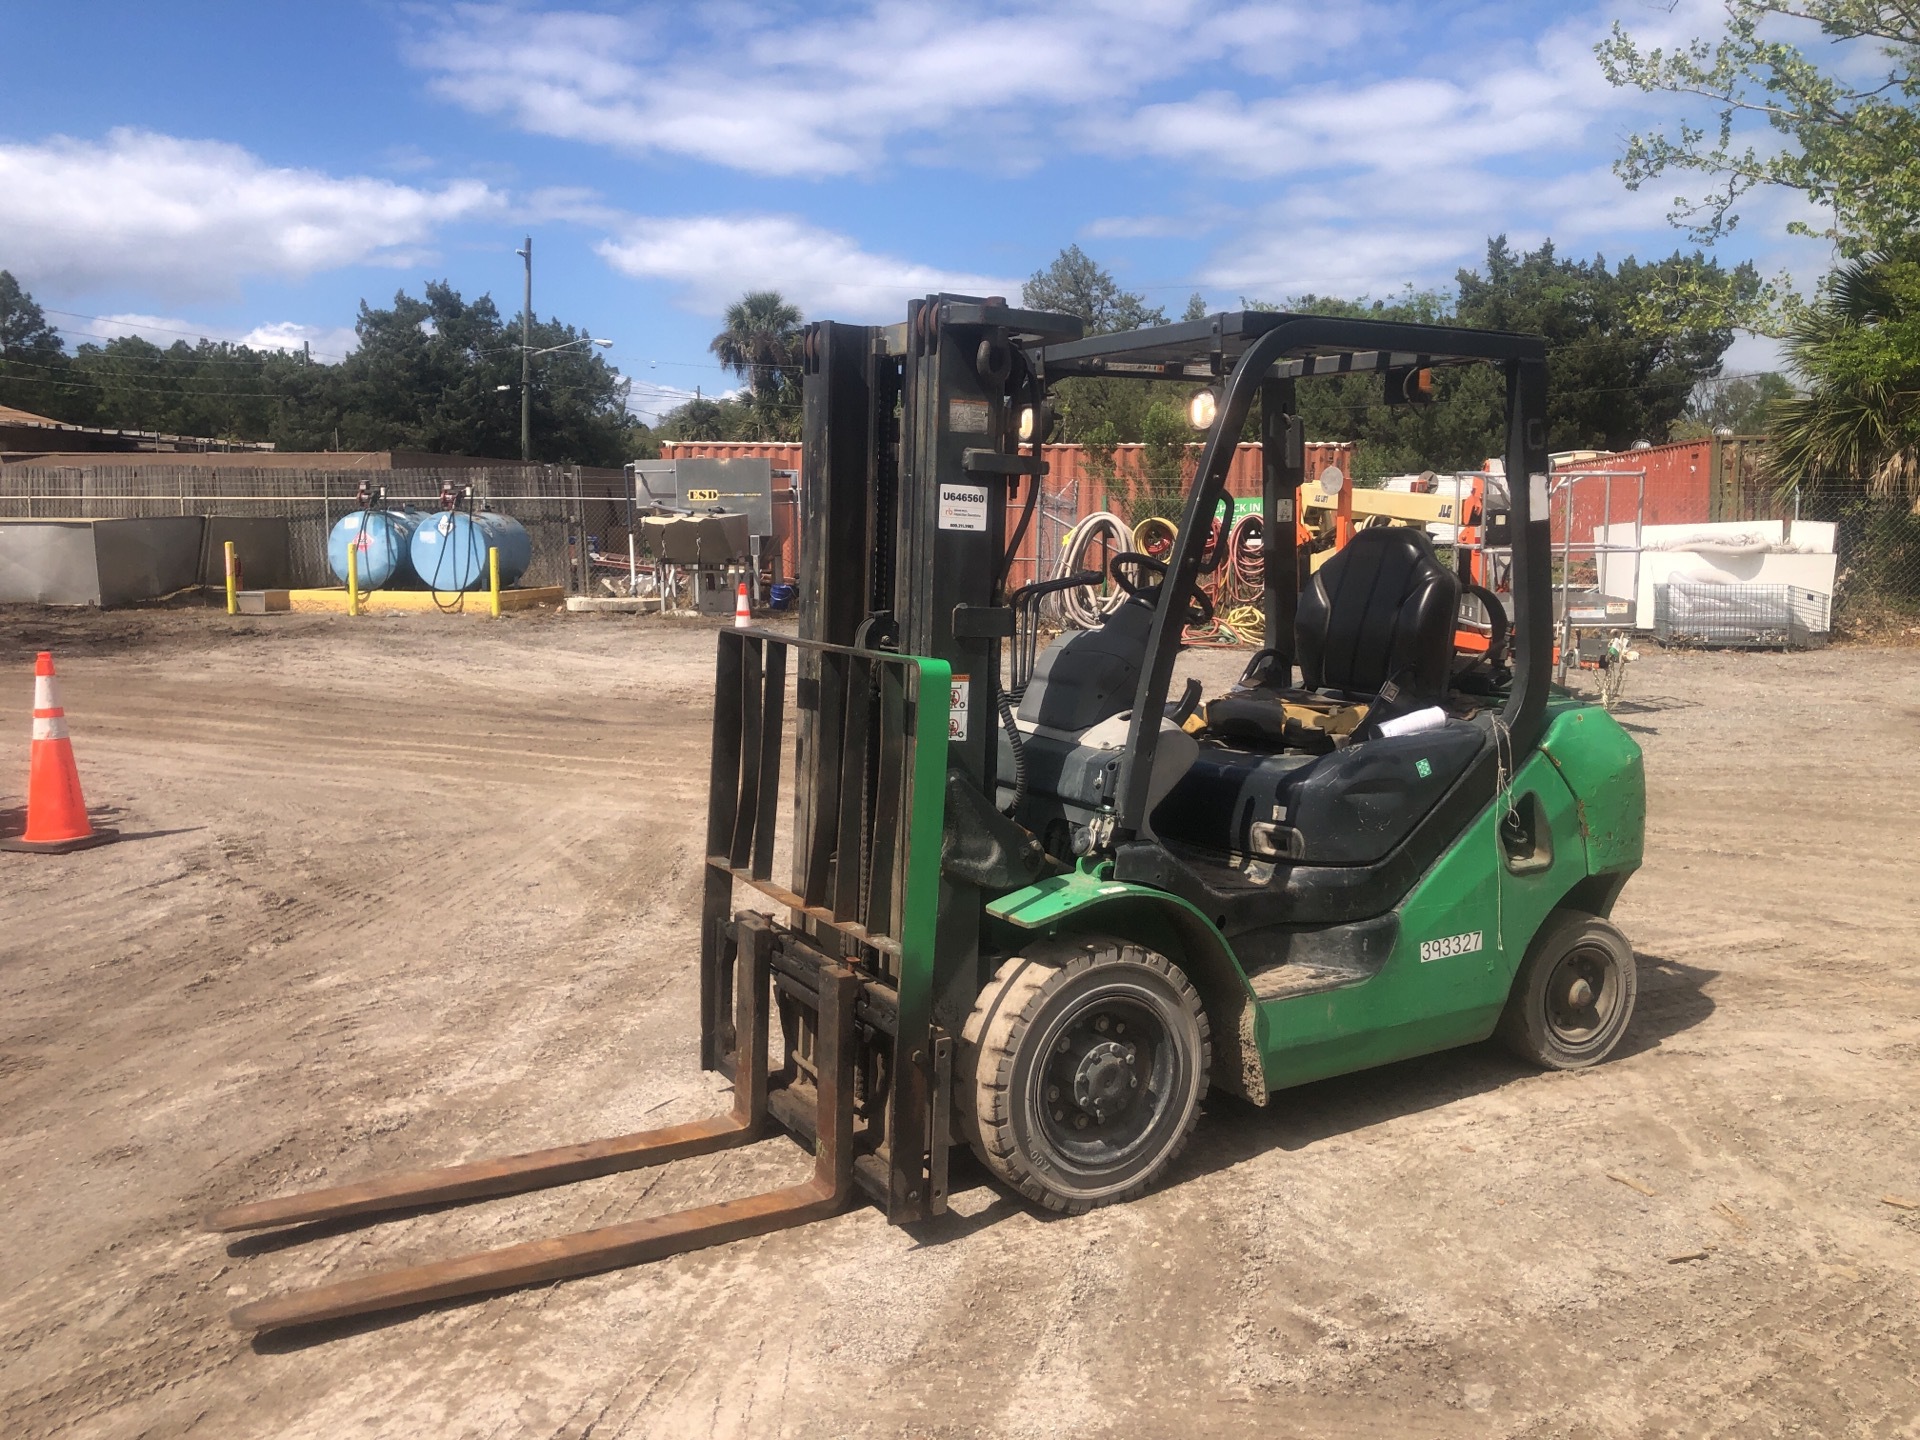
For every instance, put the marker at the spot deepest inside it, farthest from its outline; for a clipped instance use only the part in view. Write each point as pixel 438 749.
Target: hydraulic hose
pixel 1015 742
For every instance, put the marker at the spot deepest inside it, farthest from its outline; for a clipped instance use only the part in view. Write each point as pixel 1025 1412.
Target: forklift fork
pixel 612 1247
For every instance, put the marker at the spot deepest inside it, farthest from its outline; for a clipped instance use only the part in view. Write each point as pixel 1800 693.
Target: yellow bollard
pixel 233 581
pixel 353 578
pixel 493 581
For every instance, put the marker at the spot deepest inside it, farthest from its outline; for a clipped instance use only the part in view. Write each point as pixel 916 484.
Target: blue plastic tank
pixel 383 538
pixel 450 549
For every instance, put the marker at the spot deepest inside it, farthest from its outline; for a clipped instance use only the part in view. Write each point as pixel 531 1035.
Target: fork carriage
pixel 864 1077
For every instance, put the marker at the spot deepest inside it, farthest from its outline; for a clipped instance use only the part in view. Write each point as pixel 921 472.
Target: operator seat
pixel 1381 609
pixel 1257 833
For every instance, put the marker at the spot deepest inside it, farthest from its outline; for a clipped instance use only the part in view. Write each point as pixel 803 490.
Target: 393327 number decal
pixel 1450 945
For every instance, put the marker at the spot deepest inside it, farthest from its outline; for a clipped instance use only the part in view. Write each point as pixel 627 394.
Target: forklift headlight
pixel 1026 423
pixel 1202 409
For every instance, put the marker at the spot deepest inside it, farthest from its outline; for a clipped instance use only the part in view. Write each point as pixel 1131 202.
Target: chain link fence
pixel 1877 590
pixel 567 516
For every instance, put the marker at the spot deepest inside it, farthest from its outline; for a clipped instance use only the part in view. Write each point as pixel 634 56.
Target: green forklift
pixel 966 888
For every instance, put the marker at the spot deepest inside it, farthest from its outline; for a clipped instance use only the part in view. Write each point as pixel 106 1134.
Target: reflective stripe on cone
pixel 56 810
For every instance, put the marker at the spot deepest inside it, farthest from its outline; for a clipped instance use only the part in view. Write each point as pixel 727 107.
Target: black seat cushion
pixel 1383 608
pixel 1239 898
pixel 1352 807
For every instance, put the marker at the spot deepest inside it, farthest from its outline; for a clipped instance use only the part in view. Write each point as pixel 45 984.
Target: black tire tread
pixel 1000 1019
pixel 1521 1030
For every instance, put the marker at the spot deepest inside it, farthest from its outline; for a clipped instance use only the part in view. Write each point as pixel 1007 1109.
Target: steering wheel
pixel 1500 630
pixel 1199 606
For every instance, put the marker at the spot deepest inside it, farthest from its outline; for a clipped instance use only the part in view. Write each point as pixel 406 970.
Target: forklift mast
pixel 911 448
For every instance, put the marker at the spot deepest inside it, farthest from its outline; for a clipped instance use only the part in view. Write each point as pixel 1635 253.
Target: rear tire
pixel 1082 1068
pixel 1574 995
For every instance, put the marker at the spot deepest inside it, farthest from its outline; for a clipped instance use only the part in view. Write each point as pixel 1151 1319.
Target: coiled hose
pixel 1081 607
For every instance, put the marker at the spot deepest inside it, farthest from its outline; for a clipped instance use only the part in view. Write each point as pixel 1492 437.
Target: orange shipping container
pixel 1072 489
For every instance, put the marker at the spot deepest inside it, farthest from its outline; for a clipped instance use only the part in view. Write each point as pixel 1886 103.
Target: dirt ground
pixel 418 890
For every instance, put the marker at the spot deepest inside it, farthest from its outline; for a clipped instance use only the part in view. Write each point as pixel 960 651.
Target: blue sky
pixel 251 171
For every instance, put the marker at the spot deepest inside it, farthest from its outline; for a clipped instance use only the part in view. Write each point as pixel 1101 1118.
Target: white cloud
pixel 329 342
pixel 824 94
pixel 711 259
pixel 194 217
pixel 1375 261
pixel 1144 227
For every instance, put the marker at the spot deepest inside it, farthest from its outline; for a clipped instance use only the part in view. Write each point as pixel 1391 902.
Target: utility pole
pixel 526 361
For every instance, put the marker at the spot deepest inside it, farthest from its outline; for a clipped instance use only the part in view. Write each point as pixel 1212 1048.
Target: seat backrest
pixel 1085 676
pixel 1383 607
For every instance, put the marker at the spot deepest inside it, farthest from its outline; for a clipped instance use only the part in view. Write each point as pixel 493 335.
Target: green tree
pixel 34 365
pixel 1625 354
pixel 1739 404
pixel 1857 348
pixel 1101 413
pixel 434 373
pixel 761 344
pixel 1075 284
pixel 1847 137
pixel 698 419
pixel 1627 346
pixel 1459 431
pixel 1846 134
pixel 1196 307
pixel 442 374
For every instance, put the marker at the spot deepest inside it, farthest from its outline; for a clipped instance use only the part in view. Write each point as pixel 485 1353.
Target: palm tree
pixel 761 343
pixel 1857 349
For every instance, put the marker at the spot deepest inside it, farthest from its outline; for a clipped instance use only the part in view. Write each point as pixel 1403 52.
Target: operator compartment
pixel 1338 771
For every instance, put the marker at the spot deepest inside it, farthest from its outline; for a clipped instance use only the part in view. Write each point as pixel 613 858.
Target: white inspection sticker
pixel 957 710
pixel 963 507
pixel 1470 943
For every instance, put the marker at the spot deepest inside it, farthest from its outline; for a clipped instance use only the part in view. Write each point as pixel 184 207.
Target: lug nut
pixel 1100 1023
pixel 1053 1092
pixel 1080 1122
pixel 1059 1115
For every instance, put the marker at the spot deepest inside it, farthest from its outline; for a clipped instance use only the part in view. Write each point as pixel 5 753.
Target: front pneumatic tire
pixel 1082 1068
pixel 1573 997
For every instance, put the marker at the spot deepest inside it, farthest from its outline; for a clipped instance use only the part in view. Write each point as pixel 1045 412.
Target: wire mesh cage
pixel 1784 617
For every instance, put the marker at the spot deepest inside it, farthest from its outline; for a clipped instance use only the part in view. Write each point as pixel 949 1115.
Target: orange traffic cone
pixel 742 614
pixel 56 813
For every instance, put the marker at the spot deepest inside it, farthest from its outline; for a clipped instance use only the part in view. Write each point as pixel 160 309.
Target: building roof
pixel 22 430
pixel 11 416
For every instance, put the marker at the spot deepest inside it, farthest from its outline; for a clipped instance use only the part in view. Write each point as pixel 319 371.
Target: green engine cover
pixel 1464 928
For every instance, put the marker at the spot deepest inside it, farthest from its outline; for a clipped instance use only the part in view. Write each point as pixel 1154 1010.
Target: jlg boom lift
pixel 1037 901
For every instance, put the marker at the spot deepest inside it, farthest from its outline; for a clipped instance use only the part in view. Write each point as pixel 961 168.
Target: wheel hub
pixel 1581 998
pixel 1104 1081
